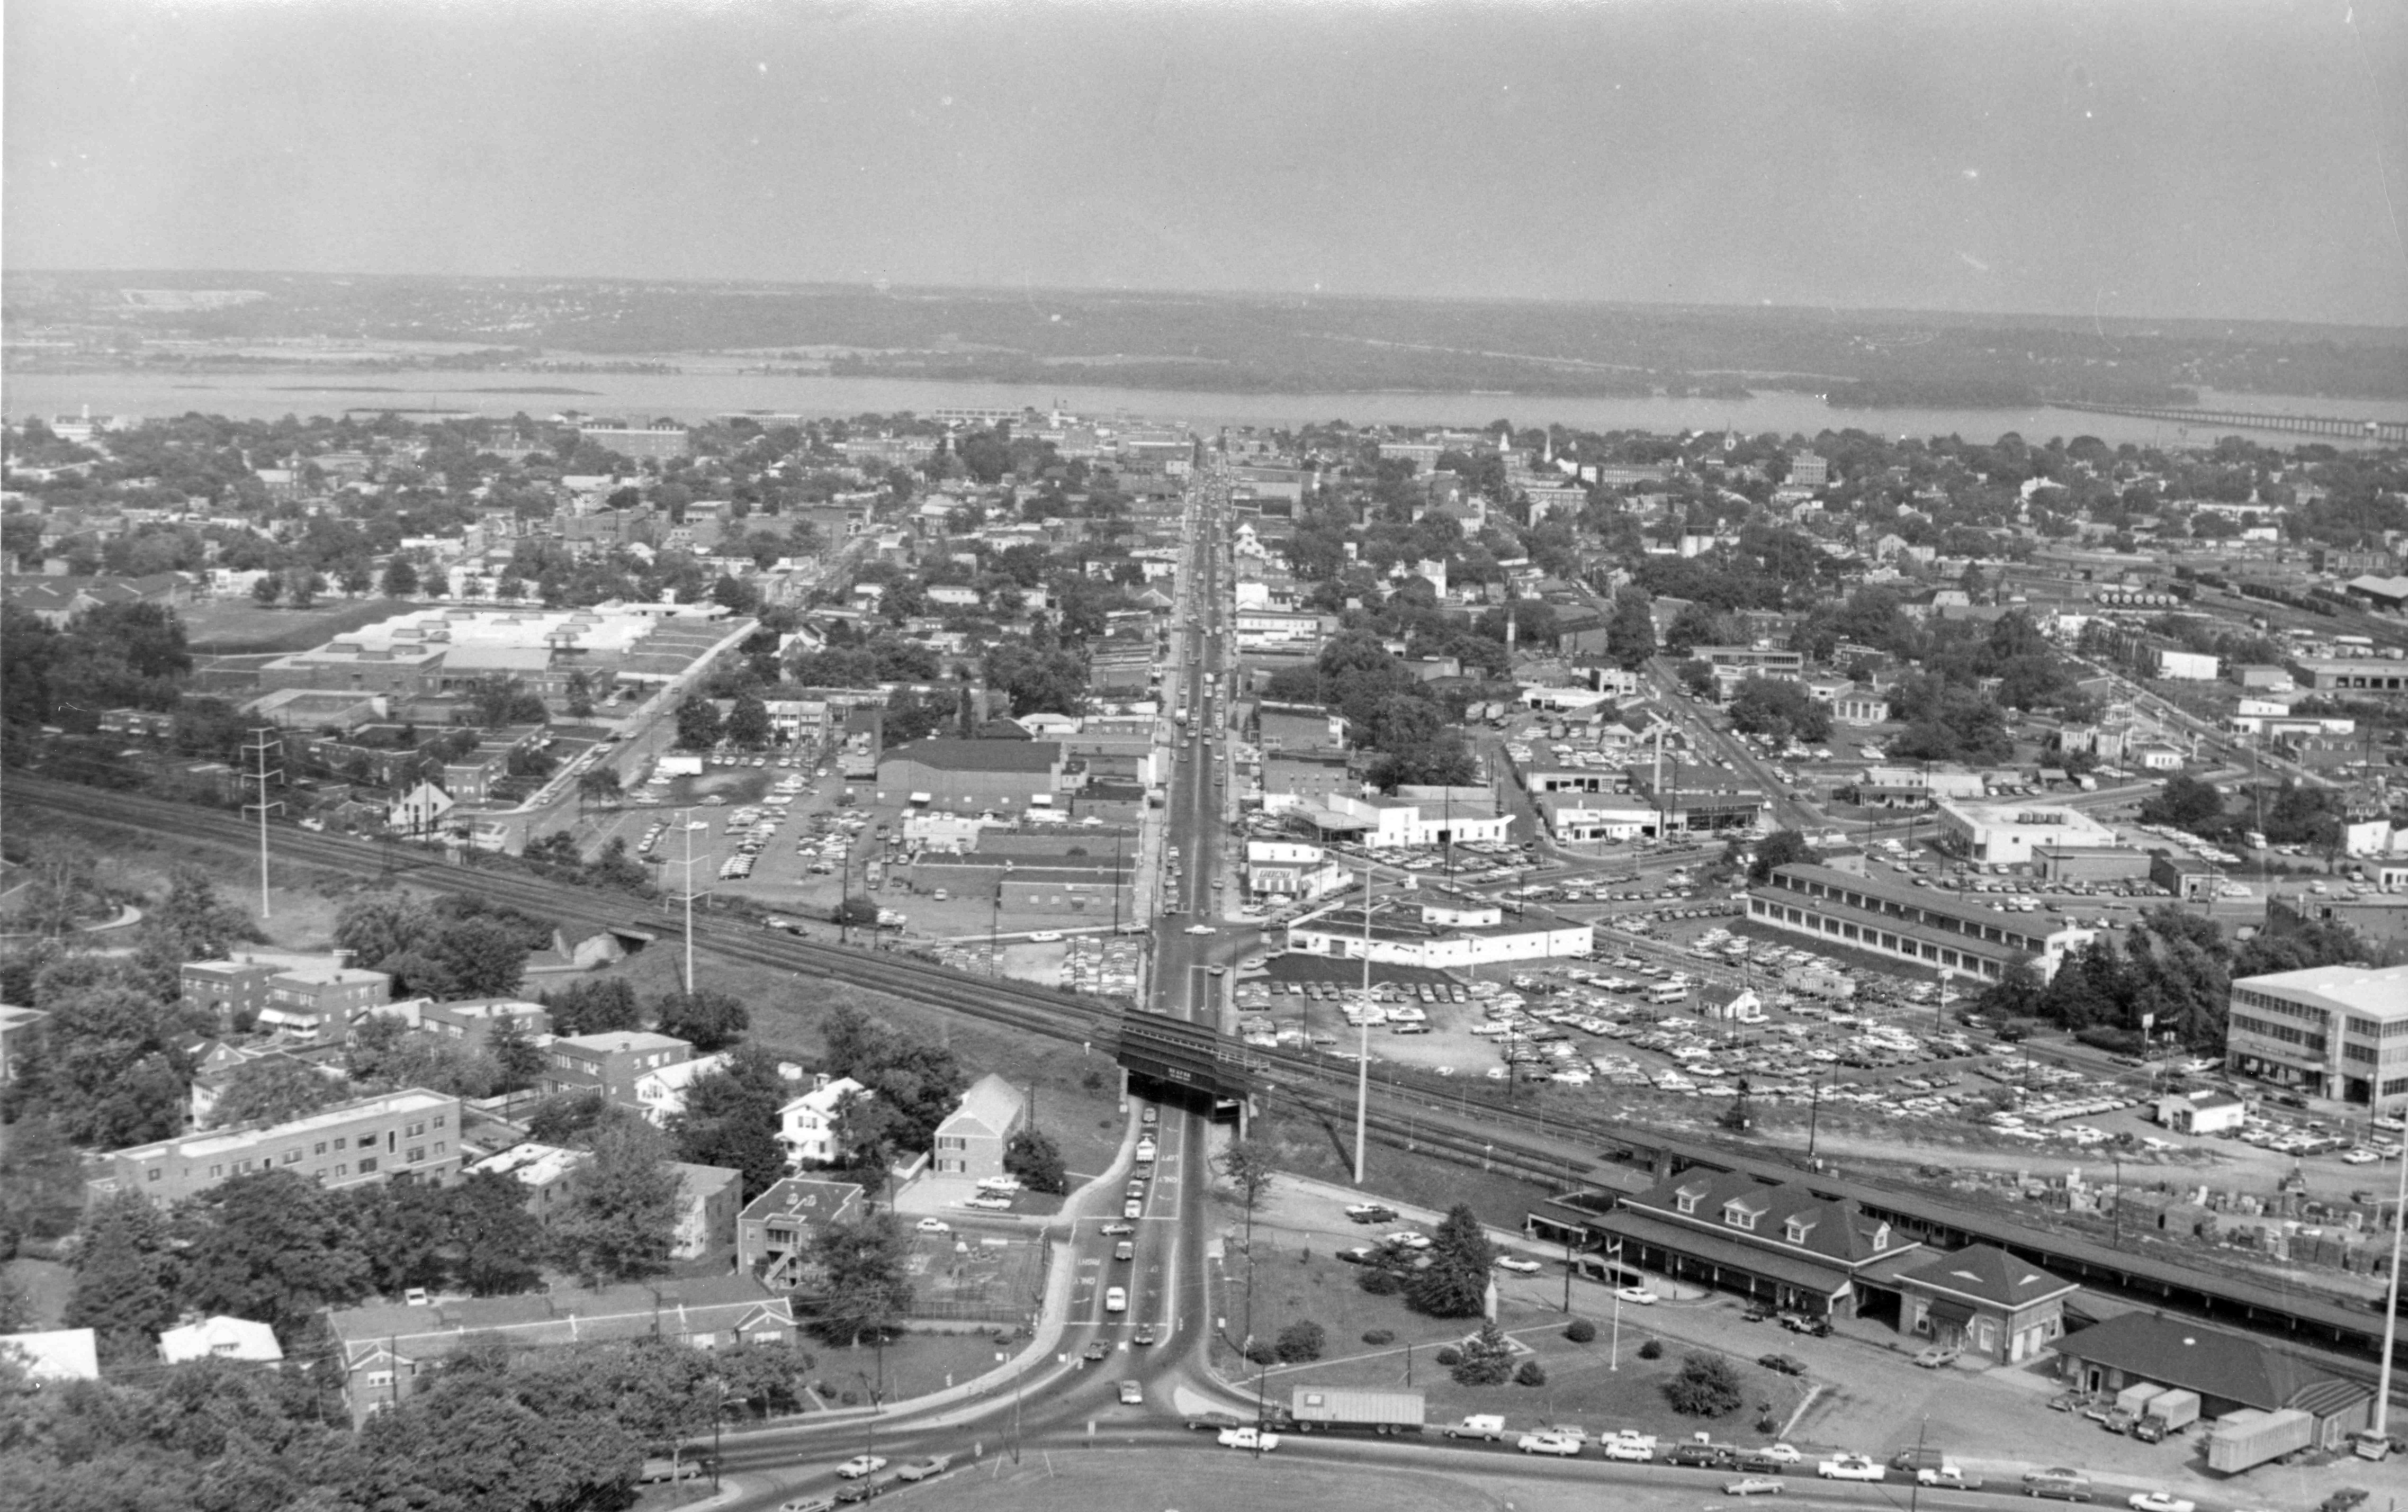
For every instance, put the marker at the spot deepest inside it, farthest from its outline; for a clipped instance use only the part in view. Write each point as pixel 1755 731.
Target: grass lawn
pixel 1325 1150
pixel 1582 1386
pixel 236 627
pixel 914 1365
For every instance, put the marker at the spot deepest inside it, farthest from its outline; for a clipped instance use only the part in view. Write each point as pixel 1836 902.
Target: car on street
pixel 1046 937
pixel 1783 1453
pixel 935 1225
pixel 860 1465
pixel 1143 1335
pixel 1134 1207
pixel 1558 1444
pixel 1518 1266
pixel 1786 1365
pixel 1639 1295
pixel 1125 1251
pixel 989 1201
pixel 1117 1228
pixel 1370 1213
pixel 2360 1157
pixel 935 1465
pixel 1851 1467
pixel 1636 1450
pixel 1132 1394
pixel 1199 929
pixel 1406 1239
pixel 1249 1438
pixel 998 1183
pixel 1751 1486
pixel 1948 1477
pixel 1115 1299
pixel 2160 1502
pixel 809 1504
pixel 1701 1456
pixel 1095 1349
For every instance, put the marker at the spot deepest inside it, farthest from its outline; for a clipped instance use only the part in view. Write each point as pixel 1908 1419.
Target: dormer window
pixel 1881 1237
pixel 1685 1201
pixel 1739 1217
pixel 1796 1230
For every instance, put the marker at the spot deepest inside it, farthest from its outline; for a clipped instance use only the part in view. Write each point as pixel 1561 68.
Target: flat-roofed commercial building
pixel 2338 1032
pixel 2363 673
pixel 2013 834
pixel 372 1139
pixel 1762 660
pixel 1440 935
pixel 1929 929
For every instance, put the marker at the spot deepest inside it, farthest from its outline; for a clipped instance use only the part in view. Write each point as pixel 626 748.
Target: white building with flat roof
pixel 2335 1031
pixel 2006 835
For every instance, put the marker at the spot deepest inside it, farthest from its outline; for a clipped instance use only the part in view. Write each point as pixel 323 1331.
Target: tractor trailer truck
pixel 2250 1437
pixel 1327 1409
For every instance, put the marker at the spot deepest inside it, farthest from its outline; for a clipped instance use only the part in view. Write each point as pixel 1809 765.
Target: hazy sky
pixel 2189 156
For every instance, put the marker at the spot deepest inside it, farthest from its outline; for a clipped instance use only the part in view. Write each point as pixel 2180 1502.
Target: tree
pixel 41 1183
pixel 267 588
pixel 1454 1283
pixel 564 1117
pixel 302 586
pixel 515 1054
pixel 618 1218
pixel 1706 1387
pixel 579 698
pixel 400 577
pixel 1630 634
pixel 1247 1164
pixel 697 723
pixel 126 1275
pixel 271 1089
pixel 271 1246
pixel 110 1066
pixel 1488 1358
pixel 867 1289
pixel 1781 848
pixel 595 1005
pixel 2185 802
pixel 731 1119
pixel 1780 709
pixel 599 784
pixel 914 1086
pixel 748 722
pixel 496 1245
pixel 708 1019
pixel 1300 1342
pixel 1037 1161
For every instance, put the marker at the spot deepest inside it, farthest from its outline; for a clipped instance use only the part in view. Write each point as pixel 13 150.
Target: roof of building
pixel 1835 1230
pixel 2179 1352
pixel 220 1337
pixel 992 1102
pixel 570 1316
pixel 950 755
pixel 537 1165
pixel 621 1042
pixel 497 658
pixel 804 1197
pixel 1988 1273
pixel 59 1354
pixel 195 1148
pixel 2350 989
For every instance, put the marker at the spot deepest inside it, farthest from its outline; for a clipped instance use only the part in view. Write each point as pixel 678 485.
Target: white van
pixel 1668 992
pixel 1116 1300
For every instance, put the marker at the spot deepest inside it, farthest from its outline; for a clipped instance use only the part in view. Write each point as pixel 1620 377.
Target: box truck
pixel 2130 1403
pixel 1323 1408
pixel 2169 1412
pixel 2250 1437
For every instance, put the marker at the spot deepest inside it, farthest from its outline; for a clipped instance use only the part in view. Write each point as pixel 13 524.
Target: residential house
pixel 220 1338
pixel 807 1125
pixel 609 1063
pixel 972 1140
pixel 660 1095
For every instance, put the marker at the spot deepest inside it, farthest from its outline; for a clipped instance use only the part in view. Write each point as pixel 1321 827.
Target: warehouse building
pixel 2232 1374
pixel 971 777
pixel 1925 928
pixel 2013 834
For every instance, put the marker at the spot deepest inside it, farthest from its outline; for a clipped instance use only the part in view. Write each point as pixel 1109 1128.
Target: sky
pixel 2151 158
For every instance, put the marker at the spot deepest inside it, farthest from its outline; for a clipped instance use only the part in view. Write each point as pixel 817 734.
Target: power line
pixel 266 737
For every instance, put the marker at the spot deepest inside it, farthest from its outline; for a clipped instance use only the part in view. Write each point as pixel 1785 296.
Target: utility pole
pixel 2391 1303
pixel 685 823
pixel 1362 1026
pixel 264 739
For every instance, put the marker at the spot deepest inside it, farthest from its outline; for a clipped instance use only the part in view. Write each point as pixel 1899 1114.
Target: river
pixel 696 395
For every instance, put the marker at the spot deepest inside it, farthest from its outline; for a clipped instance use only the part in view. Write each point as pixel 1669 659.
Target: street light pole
pixel 2391 1299
pixel 1362 1024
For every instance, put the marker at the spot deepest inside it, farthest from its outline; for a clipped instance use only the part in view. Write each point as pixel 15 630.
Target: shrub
pixel 1531 1373
pixel 1707 1387
pixel 850 1398
pixel 1581 1330
pixel 1487 1359
pixel 1301 1341
pixel 1379 1280
pixel 1450 1356
pixel 1377 1337
pixel 1652 1350
pixel 1261 1352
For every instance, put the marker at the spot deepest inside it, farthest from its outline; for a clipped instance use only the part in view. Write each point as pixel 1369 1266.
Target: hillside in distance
pixel 1222 342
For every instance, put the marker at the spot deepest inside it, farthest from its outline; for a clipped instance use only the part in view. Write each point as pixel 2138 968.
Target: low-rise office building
pixel 1572 815
pixel 2335 1031
pixel 1927 928
pixel 2013 834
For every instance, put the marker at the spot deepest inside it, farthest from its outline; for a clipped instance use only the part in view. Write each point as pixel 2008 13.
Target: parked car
pixel 860 1465
pixel 1557 1444
pixel 1707 1456
pixel 1639 1295
pixel 1753 1486
pixel 1518 1266
pixel 935 1465
pixel 1132 1394
pixel 1249 1438
pixel 1095 1349
pixel 1787 1365
pixel 1948 1477
pixel 1851 1467
pixel 1636 1450
pixel 2160 1502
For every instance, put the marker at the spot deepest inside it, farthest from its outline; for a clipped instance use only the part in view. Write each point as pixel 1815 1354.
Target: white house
pixel 2200 1113
pixel 416 811
pixel 807 1124
pixel 220 1338
pixel 972 1140
pixel 1290 869
pixel 660 1095
pixel 59 1354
